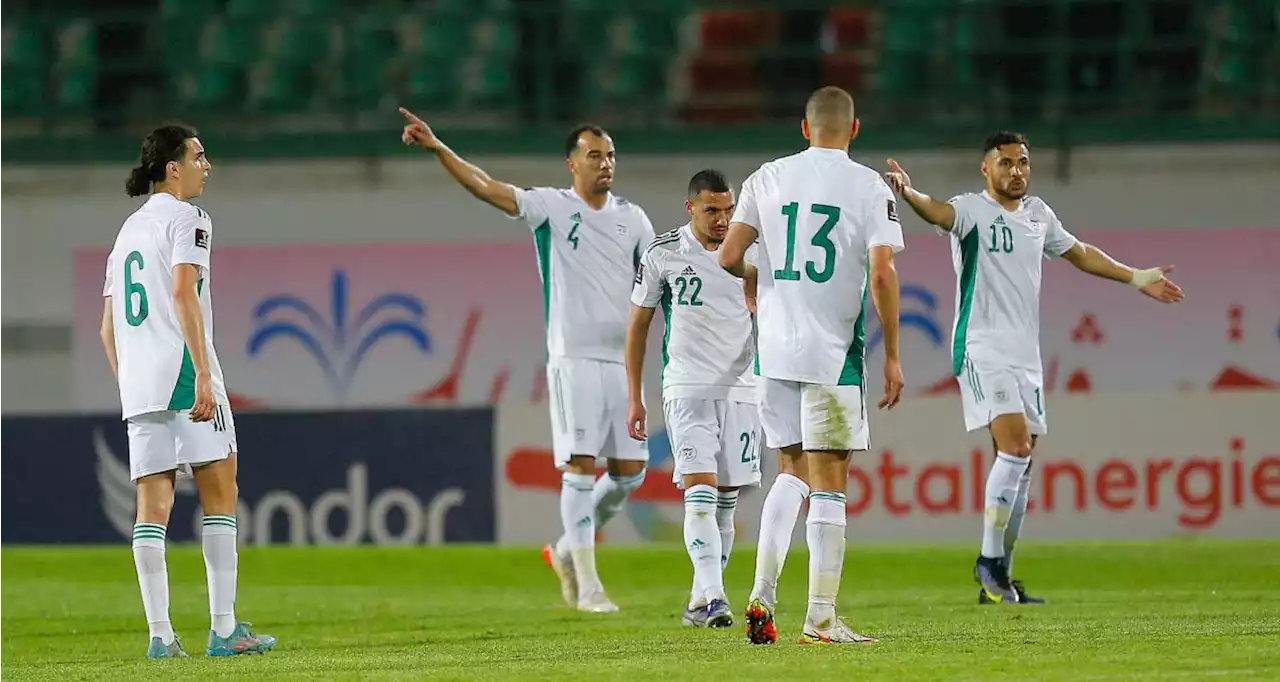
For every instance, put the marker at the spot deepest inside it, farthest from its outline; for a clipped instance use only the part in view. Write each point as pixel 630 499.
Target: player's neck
pixel 596 201
pixel 824 142
pixel 704 240
pixel 1005 202
pixel 171 191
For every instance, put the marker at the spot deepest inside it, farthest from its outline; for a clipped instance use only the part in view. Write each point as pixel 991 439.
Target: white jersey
pixel 709 345
pixel 817 214
pixel 155 367
pixel 997 256
pixel 587 259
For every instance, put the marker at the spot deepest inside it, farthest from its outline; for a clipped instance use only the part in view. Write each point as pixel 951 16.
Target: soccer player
pixel 828 231
pixel 708 388
pixel 157 329
pixel 998 239
pixel 589 242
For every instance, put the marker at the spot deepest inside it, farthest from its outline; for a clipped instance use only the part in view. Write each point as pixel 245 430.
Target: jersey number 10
pixel 821 239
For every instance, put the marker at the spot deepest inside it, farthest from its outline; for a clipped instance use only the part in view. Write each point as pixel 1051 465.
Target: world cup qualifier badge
pixel 892 209
pixel 202 238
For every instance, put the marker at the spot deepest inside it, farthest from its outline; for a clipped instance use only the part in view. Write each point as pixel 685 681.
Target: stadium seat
pixel 851 26
pixel 25 68
pixel 843 69
pixel 192 9
pixel 723 73
pixel 736 30
pixel 433 82
pixel 76 88
pixel 447 37
pixel 215 85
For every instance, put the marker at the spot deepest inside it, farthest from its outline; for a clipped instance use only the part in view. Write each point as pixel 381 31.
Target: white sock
pixel 608 496
pixel 824 530
pixel 702 540
pixel 218 537
pixel 153 578
pixel 725 506
pixel 1015 518
pixel 578 517
pixel 777 522
pixel 1002 491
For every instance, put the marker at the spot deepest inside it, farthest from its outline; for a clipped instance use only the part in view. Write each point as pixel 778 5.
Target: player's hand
pixel 893 383
pixel 417 132
pixel 636 422
pixel 202 410
pixel 1164 290
pixel 749 288
pixel 897 178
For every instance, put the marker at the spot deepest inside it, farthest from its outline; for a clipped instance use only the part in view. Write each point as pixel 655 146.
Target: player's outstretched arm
pixel 885 293
pixel 932 211
pixel 733 252
pixel 186 302
pixel 1150 281
pixel 108 333
pixel 637 337
pixel 500 195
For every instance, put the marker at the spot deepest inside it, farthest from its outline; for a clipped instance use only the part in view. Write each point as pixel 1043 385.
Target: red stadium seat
pixel 852 26
pixel 845 70
pixel 730 30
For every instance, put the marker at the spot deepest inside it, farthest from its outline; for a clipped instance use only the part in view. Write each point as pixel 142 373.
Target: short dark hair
pixel 571 142
pixel 1000 139
pixel 164 144
pixel 710 180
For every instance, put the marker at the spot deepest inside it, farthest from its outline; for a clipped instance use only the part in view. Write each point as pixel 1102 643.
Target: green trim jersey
pixel 155 369
pixel 997 256
pixel 587 259
pixel 817 214
pixel 709 344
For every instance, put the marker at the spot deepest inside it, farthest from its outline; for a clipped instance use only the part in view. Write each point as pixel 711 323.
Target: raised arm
pixel 500 195
pixel 932 211
pixel 1150 281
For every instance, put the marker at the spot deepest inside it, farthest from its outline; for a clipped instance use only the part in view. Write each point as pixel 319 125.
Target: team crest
pixel 687 453
pixel 1002 397
pixel 622 230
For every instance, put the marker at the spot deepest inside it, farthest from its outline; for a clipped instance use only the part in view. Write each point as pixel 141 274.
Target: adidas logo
pixel 584 521
pixel 688 270
pixel 999 220
pixel 576 217
pixel 697 544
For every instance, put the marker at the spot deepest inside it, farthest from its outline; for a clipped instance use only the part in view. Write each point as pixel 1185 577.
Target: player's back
pixel 155 370
pixel 819 212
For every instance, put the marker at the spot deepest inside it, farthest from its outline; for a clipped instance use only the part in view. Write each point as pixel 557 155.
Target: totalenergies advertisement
pixel 1131 465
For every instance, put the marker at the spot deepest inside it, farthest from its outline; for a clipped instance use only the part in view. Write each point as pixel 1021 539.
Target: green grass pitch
pixel 1118 611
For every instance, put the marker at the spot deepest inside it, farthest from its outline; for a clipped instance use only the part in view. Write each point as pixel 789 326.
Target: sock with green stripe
pixel 702 540
pixel 727 504
pixel 218 536
pixel 824 530
pixel 153 578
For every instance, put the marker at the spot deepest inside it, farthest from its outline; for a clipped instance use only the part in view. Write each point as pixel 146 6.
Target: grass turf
pixel 1118 611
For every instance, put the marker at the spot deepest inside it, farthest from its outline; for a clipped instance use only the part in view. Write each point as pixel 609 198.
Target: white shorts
pixel 718 437
pixel 988 392
pixel 589 411
pixel 815 416
pixel 169 440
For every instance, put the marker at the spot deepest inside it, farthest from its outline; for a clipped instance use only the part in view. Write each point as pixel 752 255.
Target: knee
pixel 629 479
pixel 621 468
pixel 581 464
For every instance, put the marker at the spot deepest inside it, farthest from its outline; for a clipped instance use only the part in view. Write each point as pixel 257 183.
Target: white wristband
pixel 1145 278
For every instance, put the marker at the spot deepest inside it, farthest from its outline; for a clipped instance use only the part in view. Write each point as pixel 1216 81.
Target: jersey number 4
pixel 132 289
pixel 821 239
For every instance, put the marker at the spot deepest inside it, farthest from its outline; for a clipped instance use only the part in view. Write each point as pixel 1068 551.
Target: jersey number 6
pixel 132 289
pixel 821 239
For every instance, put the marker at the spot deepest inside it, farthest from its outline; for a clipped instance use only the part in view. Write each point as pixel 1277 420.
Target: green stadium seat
pixel 287 88
pixel 303 42
pixel 235 42
pixel 23 68
pixel 251 10
pixel 215 85
pixel 76 89
pixel 80 44
pixel 433 82
pixel 445 38
pixel 497 82
pixel 362 76
pixel 188 8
